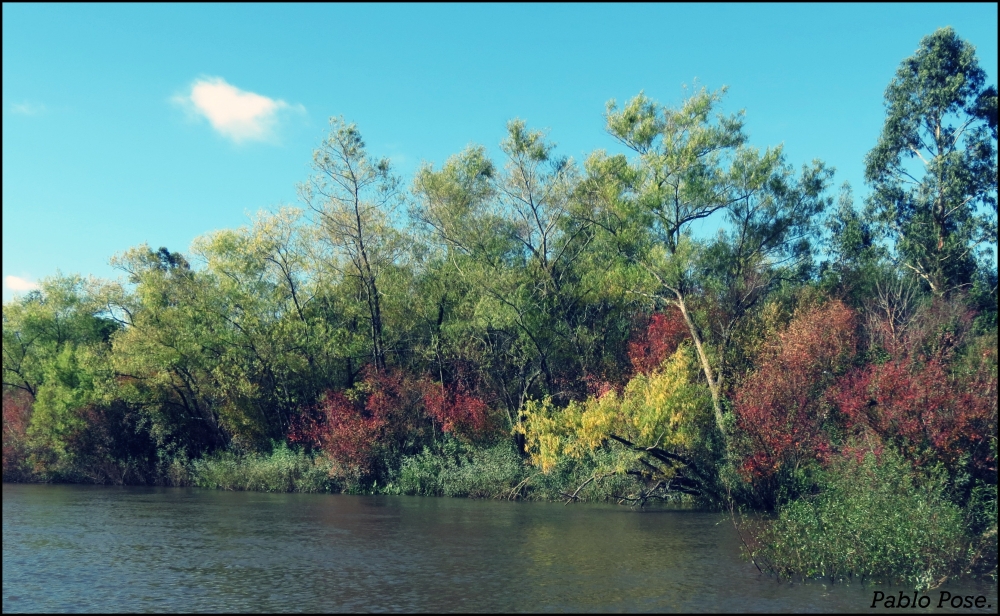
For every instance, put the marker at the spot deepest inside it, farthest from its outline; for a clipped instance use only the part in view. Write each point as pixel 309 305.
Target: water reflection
pixel 79 548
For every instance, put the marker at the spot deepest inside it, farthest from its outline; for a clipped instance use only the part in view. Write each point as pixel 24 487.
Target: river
pixel 87 548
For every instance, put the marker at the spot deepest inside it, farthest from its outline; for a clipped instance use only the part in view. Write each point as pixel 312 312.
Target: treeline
pixel 536 327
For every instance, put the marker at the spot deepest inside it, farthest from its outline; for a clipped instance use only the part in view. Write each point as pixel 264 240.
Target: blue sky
pixel 158 123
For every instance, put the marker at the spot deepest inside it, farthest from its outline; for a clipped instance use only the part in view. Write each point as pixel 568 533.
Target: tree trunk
pixel 714 385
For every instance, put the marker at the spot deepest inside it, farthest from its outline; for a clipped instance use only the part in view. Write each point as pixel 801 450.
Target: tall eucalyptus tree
pixel 934 168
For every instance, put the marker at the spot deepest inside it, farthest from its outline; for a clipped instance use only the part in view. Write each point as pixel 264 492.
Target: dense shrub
pixel 367 426
pixel 113 447
pixel 456 410
pixel 924 412
pixel 934 397
pixel 663 420
pixel 874 519
pixel 455 468
pixel 588 479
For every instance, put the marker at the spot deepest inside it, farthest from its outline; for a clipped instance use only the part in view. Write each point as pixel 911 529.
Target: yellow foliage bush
pixel 666 409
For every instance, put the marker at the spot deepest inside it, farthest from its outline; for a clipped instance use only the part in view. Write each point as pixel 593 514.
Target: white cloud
pixel 27 108
pixel 15 283
pixel 234 113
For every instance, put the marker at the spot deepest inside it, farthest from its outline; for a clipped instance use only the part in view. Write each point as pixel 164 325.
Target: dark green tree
pixel 934 168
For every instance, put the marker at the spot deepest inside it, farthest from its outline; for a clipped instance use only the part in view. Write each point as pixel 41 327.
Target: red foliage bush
pixel 383 413
pixel 928 400
pixel 457 410
pixel 349 429
pixel 657 340
pixel 780 407
pixel 16 416
pixel 923 410
pixel 352 430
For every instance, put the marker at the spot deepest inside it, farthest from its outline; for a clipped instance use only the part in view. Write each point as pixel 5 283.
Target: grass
pixel 455 469
pixel 283 470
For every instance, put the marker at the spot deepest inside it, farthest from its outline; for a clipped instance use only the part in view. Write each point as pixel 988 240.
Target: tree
pixel 62 416
pixel 934 168
pixel 509 236
pixel 355 198
pixel 689 167
pixel 856 266
pixel 165 358
pixel 276 356
pixel 37 327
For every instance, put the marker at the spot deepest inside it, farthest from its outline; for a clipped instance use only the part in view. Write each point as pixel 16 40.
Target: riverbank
pixel 452 468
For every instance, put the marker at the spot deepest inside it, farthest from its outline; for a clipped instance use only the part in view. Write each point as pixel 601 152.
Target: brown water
pixel 84 548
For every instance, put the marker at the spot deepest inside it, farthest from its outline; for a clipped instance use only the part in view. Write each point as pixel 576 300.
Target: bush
pixel 659 428
pixel 16 418
pixel 283 470
pixel 457 469
pixel 780 408
pixel 873 519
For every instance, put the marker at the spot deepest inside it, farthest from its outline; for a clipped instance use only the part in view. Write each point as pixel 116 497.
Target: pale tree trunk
pixel 714 384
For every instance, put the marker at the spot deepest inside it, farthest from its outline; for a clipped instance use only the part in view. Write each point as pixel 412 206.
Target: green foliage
pixel 66 389
pixel 512 253
pixel 72 425
pixel 857 261
pixel 875 519
pixel 589 479
pixel 452 468
pixel 37 328
pixel 354 197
